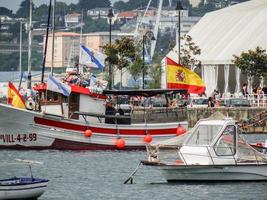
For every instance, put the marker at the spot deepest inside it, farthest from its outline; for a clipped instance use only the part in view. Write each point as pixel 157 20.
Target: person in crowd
pixel 214 94
pixel 210 102
pixel 245 89
pixel 259 91
pixel 264 89
pixel 110 110
pixel 203 94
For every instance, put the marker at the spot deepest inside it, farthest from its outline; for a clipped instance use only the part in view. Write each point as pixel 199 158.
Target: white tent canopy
pixel 227 32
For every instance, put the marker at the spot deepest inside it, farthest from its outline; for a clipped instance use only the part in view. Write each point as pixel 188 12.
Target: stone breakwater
pixel 192 115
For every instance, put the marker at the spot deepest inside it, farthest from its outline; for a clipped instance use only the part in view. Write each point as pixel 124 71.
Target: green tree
pixel 15 30
pixel 121 53
pixel 61 8
pixel 253 63
pixel 10 62
pixel 121 5
pixel 24 10
pixel 5 11
pixel 96 25
pixel 40 12
pixel 155 71
pixel 135 69
pixel 189 51
pixel 89 4
pixel 134 4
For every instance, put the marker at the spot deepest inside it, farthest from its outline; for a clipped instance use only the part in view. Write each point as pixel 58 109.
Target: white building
pixel 97 13
pixel 195 3
pixel 72 20
pixel 224 33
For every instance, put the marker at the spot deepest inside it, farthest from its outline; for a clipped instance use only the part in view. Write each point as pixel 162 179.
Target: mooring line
pixel 130 178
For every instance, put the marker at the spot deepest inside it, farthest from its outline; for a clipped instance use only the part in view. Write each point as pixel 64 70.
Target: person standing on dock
pixel 245 89
pixel 210 102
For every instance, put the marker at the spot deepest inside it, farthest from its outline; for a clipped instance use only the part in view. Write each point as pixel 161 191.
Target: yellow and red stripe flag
pixel 14 98
pixel 183 78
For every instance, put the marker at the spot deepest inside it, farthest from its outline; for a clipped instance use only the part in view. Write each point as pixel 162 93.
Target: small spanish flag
pixel 183 78
pixel 14 98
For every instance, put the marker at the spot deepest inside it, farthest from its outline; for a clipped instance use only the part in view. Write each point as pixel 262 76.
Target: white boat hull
pixel 31 191
pixel 23 129
pixel 215 173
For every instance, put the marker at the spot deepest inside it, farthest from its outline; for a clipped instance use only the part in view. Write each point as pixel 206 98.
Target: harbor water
pixel 100 175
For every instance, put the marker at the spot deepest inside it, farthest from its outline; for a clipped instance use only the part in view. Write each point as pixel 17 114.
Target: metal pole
pixel 46 42
pixel 20 46
pixel 143 79
pixel 110 67
pixel 53 37
pixel 179 34
pixel 30 49
pixel 80 51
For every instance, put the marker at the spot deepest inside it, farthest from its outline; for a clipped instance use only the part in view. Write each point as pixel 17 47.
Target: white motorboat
pixel 212 151
pixel 22 187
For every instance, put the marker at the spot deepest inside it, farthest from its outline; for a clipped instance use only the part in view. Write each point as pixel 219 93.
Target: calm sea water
pixel 100 175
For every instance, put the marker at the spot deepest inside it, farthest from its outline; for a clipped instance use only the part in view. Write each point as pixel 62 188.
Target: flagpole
pixel 110 79
pixel 80 52
pixel 53 36
pixel 29 48
pixel 46 42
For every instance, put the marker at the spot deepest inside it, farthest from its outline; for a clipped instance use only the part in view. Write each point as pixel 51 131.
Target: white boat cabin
pixel 81 99
pixel 215 142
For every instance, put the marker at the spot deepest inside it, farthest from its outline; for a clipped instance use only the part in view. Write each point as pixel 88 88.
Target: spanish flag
pixel 183 78
pixel 14 98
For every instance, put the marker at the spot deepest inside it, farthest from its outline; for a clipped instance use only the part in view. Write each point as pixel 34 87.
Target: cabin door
pixel 74 100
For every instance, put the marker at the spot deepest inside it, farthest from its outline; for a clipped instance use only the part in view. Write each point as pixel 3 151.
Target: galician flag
pixel 14 98
pixel 183 78
pixel 91 58
pixel 55 85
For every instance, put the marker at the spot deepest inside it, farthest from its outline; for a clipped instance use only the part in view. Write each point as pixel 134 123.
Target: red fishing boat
pixel 80 121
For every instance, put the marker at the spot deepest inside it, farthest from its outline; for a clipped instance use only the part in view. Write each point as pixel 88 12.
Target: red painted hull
pixel 94 129
pixel 34 131
pixel 73 146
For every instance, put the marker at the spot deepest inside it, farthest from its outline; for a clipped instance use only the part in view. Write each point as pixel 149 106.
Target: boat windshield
pixel 203 135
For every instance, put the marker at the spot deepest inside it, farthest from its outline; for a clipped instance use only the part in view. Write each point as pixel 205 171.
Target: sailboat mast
pixel 80 52
pixel 46 41
pixel 20 46
pixel 53 36
pixel 30 49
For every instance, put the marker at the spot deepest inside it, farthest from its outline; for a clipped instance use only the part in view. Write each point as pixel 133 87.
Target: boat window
pixel 52 96
pixel 204 135
pixel 225 146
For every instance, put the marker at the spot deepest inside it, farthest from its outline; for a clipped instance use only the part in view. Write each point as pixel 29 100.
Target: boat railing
pixel 172 155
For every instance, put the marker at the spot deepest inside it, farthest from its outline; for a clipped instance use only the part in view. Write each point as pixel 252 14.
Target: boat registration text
pixel 12 138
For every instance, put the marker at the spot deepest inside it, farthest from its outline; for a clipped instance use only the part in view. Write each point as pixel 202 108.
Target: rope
pixel 259 119
pixel 130 178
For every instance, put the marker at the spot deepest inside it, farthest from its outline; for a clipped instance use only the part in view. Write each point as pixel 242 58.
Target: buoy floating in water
pixel 180 130
pixel 120 143
pixel 88 133
pixel 148 138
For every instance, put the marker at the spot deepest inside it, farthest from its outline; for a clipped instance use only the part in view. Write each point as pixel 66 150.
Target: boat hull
pixel 31 190
pixel 23 129
pixel 215 173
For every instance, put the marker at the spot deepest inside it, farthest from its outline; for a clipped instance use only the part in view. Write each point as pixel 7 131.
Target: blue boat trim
pixel 44 186
pixel 23 181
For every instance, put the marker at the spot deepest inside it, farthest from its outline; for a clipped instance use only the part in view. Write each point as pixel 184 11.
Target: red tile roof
pixel 127 14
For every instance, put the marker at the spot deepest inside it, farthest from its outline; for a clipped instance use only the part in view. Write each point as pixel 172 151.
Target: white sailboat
pixel 26 187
